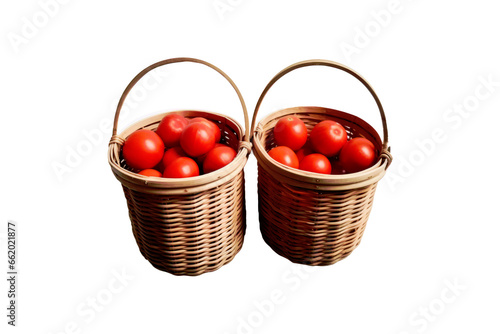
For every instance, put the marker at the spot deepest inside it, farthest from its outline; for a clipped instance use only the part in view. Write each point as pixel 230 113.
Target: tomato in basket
pixel 328 137
pixel 290 131
pixel 170 129
pixel 182 167
pixel 218 157
pixel 214 127
pixel 198 138
pixel 316 163
pixel 150 172
pixel 284 155
pixel 143 149
pixel 201 158
pixel 172 154
pixel 357 154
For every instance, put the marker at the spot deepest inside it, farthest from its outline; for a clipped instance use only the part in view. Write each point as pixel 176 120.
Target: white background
pixel 434 223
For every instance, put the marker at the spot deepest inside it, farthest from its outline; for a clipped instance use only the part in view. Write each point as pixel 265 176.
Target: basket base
pixel 184 269
pixel 318 259
pixel 310 227
pixel 189 235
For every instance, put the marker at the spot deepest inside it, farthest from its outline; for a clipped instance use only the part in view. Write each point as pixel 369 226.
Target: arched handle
pixel 336 65
pixel 171 61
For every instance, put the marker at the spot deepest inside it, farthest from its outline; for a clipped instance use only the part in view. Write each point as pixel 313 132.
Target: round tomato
pixel 290 131
pixel 201 158
pixel 284 155
pixel 170 129
pixel 197 139
pixel 182 167
pixel 150 172
pixel 172 154
pixel 316 163
pixel 143 149
pixel 214 127
pixel 305 150
pixel 328 138
pixel 357 154
pixel 218 157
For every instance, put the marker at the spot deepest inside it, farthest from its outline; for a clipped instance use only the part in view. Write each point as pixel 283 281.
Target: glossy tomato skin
pixel 218 157
pixel 214 127
pixel 182 167
pixel 328 138
pixel 150 172
pixel 143 149
pixel 284 155
pixel 317 163
pixel 172 154
pixel 197 139
pixel 170 129
pixel 357 154
pixel 290 131
pixel 201 158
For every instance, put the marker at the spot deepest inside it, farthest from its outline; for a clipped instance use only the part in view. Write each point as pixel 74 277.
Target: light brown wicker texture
pixel 312 218
pixel 186 226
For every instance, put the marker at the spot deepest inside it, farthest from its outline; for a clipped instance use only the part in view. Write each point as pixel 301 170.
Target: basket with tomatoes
pixel 182 175
pixel 318 169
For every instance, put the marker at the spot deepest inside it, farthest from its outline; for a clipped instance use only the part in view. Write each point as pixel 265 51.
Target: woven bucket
pixel 312 218
pixel 186 226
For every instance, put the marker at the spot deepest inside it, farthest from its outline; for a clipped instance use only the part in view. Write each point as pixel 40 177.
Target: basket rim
pixel 177 185
pixel 312 180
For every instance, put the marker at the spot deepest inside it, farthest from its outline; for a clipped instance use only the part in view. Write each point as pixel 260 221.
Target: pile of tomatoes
pixel 326 151
pixel 180 147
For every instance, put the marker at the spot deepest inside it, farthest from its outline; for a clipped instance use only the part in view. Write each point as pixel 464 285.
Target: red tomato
pixel 328 138
pixel 143 149
pixel 290 131
pixel 305 150
pixel 212 125
pixel 284 155
pixel 182 167
pixel 357 154
pixel 170 129
pixel 218 157
pixel 201 158
pixel 172 154
pixel 197 139
pixel 150 172
pixel 316 163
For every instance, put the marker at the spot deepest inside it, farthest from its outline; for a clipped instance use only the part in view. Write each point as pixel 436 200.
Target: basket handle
pixel 171 61
pixel 336 65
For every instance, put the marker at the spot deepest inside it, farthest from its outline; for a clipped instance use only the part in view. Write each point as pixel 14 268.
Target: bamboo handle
pixel 333 64
pixel 179 60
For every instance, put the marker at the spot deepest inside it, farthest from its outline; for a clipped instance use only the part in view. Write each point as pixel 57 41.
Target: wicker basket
pixel 186 226
pixel 311 218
